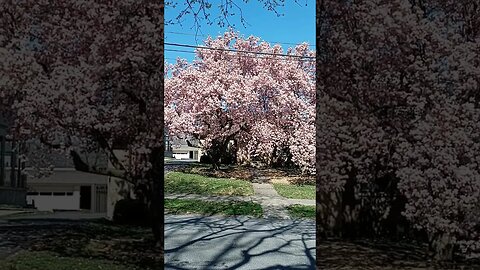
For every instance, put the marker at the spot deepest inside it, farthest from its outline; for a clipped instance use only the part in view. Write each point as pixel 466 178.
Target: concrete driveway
pixel 40 217
pixel 196 242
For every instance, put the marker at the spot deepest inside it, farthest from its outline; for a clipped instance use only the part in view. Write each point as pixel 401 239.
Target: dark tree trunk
pixel 156 181
pixel 215 158
pixel 329 213
pixel 216 152
pixel 442 244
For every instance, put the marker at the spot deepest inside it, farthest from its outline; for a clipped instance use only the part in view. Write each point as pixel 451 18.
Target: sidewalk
pixel 5 213
pixel 255 198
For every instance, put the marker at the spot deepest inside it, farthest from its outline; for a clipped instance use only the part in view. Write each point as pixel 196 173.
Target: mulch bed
pixel 249 173
pixel 381 254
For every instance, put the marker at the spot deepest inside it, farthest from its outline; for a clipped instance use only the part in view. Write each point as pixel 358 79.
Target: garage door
pixel 53 200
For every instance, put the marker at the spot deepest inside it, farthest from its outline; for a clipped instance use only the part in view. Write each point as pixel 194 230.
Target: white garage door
pixel 48 201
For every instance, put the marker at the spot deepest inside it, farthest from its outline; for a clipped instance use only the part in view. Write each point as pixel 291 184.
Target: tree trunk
pixel 216 152
pixel 215 157
pixel 156 214
pixel 442 245
pixel 156 181
pixel 329 212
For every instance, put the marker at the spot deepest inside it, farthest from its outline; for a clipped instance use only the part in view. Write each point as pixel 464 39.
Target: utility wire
pixel 238 51
pixel 254 57
pixel 275 42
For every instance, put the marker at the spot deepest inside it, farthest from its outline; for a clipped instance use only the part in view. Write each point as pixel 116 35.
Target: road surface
pixel 195 242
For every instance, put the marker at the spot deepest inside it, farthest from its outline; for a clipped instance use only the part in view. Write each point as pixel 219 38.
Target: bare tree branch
pixel 201 10
pixel 82 166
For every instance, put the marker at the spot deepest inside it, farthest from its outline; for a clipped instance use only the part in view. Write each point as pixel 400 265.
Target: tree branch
pixel 81 166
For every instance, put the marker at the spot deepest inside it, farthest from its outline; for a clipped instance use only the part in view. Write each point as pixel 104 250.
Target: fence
pixel 13 196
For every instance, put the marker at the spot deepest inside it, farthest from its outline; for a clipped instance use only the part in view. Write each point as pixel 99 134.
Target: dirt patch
pixel 286 176
pixel 381 254
pixel 236 172
pixel 294 180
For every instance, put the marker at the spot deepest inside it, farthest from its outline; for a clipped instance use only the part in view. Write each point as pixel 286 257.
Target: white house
pixel 68 189
pixel 182 148
pixel 65 189
pixel 186 152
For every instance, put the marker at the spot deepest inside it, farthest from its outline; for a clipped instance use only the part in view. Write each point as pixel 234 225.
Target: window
pixel 32 193
pixel 58 193
pixel 69 193
pixel 45 193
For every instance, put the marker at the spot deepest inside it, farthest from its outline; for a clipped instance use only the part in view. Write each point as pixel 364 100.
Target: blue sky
pixel 297 25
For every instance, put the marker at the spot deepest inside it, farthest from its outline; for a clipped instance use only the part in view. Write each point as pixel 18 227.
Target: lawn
pixel 301 211
pixel 42 260
pixel 231 208
pixel 178 182
pixel 295 191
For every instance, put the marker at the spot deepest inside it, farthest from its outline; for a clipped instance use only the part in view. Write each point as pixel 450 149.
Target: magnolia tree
pixel 86 75
pixel 250 95
pixel 398 111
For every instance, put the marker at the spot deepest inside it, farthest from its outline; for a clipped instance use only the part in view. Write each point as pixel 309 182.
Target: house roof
pixel 184 148
pixel 62 160
pixel 186 140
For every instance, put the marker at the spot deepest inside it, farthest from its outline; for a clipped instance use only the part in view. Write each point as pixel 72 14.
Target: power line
pixel 175 50
pixel 191 34
pixel 254 57
pixel 237 51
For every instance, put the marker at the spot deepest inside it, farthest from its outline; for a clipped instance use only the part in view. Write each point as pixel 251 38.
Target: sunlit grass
pixel 295 191
pixel 178 182
pixel 231 208
pixel 301 211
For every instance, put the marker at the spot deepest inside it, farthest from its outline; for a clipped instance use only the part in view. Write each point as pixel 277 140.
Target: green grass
pixel 184 206
pixel 295 191
pixel 41 260
pixel 301 211
pixel 177 182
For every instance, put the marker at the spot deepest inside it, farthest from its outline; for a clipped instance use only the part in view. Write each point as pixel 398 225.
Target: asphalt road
pixel 195 242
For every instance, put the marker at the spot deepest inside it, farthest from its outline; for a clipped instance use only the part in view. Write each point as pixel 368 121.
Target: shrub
pixel 131 212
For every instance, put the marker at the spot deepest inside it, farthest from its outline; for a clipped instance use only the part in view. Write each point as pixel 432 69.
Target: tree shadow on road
pixel 239 243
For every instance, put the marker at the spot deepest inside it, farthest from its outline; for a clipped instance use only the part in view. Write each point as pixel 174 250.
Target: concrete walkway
pixel 218 198
pixel 60 215
pixel 272 203
pixel 4 213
